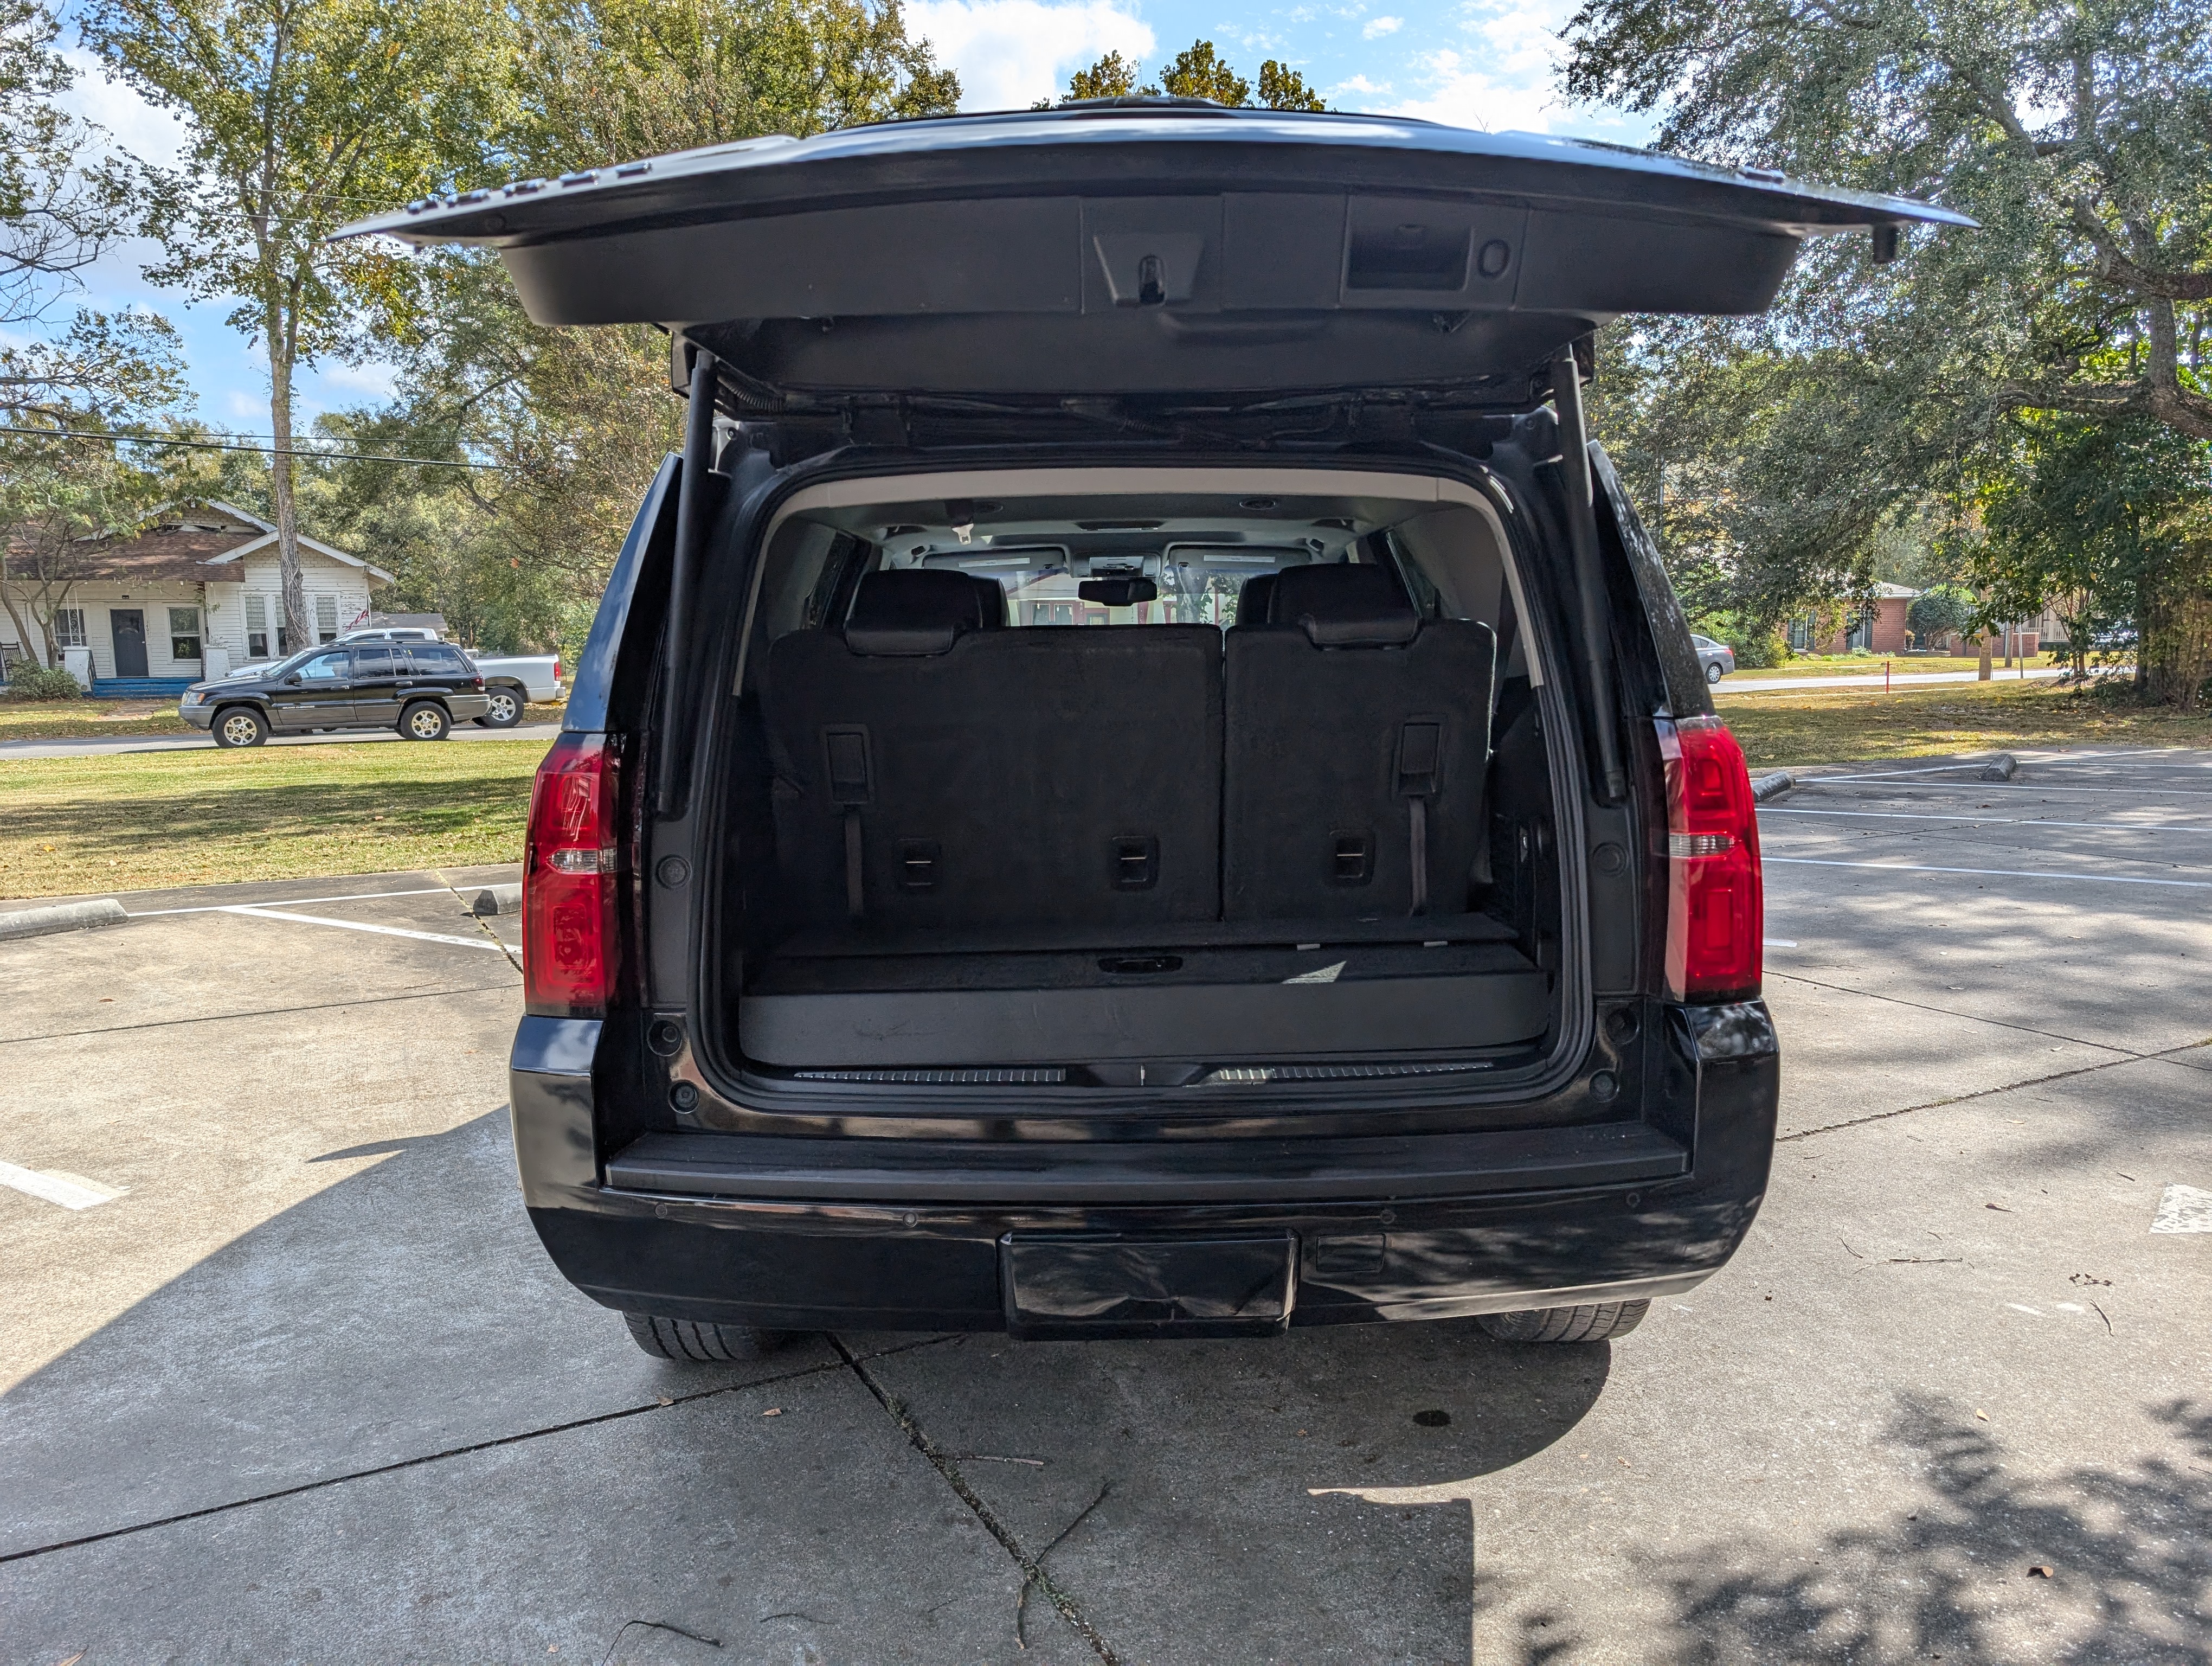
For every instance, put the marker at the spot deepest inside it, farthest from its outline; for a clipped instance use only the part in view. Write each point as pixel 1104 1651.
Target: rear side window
pixel 436 659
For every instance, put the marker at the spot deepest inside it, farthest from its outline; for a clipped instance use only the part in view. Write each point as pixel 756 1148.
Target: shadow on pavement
pixel 2129 1554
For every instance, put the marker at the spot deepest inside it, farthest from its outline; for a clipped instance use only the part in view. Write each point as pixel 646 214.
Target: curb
pixel 1771 786
pixel 497 899
pixel 61 917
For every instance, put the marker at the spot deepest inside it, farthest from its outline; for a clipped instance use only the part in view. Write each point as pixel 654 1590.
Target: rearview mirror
pixel 1118 592
pixel 293 681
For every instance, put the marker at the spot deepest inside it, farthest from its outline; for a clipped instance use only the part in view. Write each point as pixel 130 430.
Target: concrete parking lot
pixel 286 1378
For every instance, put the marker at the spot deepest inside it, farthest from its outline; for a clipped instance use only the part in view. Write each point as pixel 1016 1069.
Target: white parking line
pixel 1780 942
pixel 2183 1209
pixel 71 1191
pixel 363 926
pixel 294 901
pixel 1990 872
pixel 1990 821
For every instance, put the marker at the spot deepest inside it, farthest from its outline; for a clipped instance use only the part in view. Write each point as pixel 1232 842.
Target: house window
pixel 257 626
pixel 326 618
pixel 69 626
pixel 184 633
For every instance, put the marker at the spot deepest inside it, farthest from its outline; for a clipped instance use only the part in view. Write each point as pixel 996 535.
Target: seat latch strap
pixel 1421 758
pixel 851 786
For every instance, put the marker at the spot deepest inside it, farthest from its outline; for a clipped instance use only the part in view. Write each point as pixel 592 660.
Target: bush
pixel 1758 650
pixel 36 682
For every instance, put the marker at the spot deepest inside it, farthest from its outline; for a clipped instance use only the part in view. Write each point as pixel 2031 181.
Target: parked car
pixel 511 681
pixel 420 688
pixel 1358 920
pixel 1717 658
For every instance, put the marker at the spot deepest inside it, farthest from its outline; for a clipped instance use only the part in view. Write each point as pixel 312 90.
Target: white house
pixel 194 594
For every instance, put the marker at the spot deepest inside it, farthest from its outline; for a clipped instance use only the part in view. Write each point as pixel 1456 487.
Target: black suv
pixel 420 688
pixel 1139 776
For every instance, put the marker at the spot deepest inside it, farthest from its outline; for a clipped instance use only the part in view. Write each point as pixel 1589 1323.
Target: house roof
pixel 199 544
pixel 1892 593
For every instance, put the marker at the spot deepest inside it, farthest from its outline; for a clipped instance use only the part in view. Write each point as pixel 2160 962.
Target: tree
pixel 603 81
pixel 1282 88
pixel 303 114
pixel 2081 139
pixel 571 424
pixel 2097 520
pixel 1940 611
pixel 1112 76
pixel 59 211
pixel 63 503
pixel 2080 136
pixel 1197 72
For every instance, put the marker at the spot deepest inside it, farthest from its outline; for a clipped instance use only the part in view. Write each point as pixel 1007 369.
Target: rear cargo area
pixel 1137 788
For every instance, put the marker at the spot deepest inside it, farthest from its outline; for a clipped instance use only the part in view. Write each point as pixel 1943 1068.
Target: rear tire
pixel 693 1343
pixel 241 725
pixel 424 720
pixel 505 710
pixel 1713 672
pixel 1594 1321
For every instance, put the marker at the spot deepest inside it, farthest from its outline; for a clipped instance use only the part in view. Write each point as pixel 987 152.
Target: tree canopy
pixel 1786 450
pixel 1199 72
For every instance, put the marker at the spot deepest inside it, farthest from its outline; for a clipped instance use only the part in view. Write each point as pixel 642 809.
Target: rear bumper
pixel 467 708
pixel 1455 1225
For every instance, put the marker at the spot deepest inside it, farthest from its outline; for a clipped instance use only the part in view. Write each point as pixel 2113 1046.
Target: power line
pixel 266 451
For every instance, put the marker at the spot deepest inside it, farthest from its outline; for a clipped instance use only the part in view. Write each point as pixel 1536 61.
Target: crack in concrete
pixel 418 1461
pixel 514 958
pixel 1022 1602
pixel 1032 1567
pixel 1972 1018
pixel 2165 1054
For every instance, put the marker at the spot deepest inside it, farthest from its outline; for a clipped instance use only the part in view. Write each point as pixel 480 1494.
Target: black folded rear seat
pixel 1358 741
pixel 933 771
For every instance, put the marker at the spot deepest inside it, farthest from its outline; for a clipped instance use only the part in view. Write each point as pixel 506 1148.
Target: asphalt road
pixel 100 745
pixel 295 1382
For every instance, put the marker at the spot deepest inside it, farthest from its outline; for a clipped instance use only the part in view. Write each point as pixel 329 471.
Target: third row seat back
pixel 935 771
pixel 1358 739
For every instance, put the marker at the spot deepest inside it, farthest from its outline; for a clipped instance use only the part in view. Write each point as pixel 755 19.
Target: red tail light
pixel 1715 901
pixel 557 668
pixel 571 880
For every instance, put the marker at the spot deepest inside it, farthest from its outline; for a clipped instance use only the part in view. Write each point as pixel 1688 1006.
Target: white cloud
pixel 381 380
pixel 1010 53
pixel 1506 79
pixel 146 131
pixel 1359 86
pixel 1379 27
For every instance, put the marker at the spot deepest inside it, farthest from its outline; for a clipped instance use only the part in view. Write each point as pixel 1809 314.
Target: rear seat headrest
pixel 917 610
pixel 993 598
pixel 1343 607
pixel 1253 600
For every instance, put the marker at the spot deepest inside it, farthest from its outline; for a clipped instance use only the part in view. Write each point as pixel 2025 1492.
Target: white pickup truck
pixel 511 681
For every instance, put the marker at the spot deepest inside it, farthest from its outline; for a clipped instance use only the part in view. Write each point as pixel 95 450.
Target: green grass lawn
pixel 1862 664
pixel 142 820
pixel 75 719
pixel 1807 726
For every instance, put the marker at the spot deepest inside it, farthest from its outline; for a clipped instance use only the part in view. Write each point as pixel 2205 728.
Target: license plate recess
pixel 1087 1284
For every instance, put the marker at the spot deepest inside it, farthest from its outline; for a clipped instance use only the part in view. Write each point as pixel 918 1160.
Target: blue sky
pixel 1484 63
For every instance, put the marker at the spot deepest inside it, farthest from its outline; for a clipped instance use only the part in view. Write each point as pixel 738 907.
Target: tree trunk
pixel 22 625
pixel 298 628
pixel 2173 630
